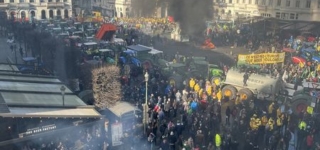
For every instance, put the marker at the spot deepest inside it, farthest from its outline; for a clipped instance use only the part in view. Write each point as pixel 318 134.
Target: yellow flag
pixel 301 64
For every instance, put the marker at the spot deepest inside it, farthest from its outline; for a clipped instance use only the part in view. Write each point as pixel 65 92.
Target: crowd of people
pixel 192 118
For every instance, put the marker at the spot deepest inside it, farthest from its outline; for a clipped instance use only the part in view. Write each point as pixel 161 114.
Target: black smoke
pixel 191 14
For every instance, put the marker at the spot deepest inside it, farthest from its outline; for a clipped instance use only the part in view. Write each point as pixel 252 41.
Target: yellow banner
pixel 262 58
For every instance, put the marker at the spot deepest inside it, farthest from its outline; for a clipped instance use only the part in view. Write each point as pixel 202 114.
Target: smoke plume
pixel 191 14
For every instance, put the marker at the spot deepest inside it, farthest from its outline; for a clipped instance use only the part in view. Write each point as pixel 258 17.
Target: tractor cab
pixel 90 49
pixel 120 41
pixel 142 51
pixel 90 32
pixel 56 31
pixel 177 68
pixel 156 54
pixel 107 55
pixel 199 68
pixel 63 36
pixel 79 33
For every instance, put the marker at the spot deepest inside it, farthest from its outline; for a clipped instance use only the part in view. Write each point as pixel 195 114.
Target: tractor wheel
pixel 216 81
pixel 147 64
pixel 229 91
pixel 245 94
pixel 299 105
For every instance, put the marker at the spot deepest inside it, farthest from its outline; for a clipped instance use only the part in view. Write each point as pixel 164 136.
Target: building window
pixel 256 2
pixel 278 2
pixel 1 1
pixel 237 1
pixel 263 2
pixel 49 0
pixel 292 16
pixel 297 16
pixel 57 0
pixel 65 1
pixel 21 1
pixel 277 15
pixel 243 1
pixel 288 3
pixel 298 3
pixel 230 1
pixel 250 1
pixel 308 3
pixel 31 1
pixel 270 2
pixel 11 1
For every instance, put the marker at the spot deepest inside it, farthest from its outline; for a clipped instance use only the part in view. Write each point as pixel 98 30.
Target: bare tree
pixel 106 86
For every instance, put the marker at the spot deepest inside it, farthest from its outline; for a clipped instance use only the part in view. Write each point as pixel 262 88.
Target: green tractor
pixel 215 74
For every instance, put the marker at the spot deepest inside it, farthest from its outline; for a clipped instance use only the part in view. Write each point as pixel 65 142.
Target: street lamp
pixel 146 77
pixel 62 89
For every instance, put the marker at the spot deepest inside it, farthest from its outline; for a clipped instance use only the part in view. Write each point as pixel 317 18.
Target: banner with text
pixel 262 58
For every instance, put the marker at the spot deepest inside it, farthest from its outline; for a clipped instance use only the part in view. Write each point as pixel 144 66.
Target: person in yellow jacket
pixel 264 120
pixel 271 124
pixel 218 141
pixel 302 125
pixel 196 87
pixel 192 82
pixel 257 123
pixel 209 89
pixel 200 93
pixel 279 122
pixel 253 122
pixel 279 112
pixel 270 108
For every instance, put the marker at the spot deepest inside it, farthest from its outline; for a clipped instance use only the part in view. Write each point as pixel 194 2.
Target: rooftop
pixel 39 96
pixel 139 48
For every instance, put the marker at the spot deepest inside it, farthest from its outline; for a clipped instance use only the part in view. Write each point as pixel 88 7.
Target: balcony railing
pixel 55 4
pixel 12 5
pixel 24 5
pixel 3 5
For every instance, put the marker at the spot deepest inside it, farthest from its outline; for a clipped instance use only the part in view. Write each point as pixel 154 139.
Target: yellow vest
pixel 192 83
pixel 264 120
pixel 270 109
pixel 252 122
pixel 196 88
pixel 209 90
pixel 302 125
pixel 200 93
pixel 218 140
pixel 279 121
pixel 278 112
pixel 271 124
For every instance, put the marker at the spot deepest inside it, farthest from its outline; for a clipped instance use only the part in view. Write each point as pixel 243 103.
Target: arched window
pixel 43 14
pixel 33 14
pixel 66 13
pixel 58 12
pixel 23 14
pixel 50 14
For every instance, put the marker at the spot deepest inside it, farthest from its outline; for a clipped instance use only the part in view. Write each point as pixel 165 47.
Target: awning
pixel 85 112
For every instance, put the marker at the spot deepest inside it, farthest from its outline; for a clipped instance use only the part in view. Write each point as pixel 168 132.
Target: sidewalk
pixel 7 53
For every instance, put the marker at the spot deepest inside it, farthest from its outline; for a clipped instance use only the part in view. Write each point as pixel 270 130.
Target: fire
pixel 208 44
